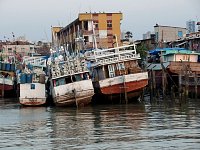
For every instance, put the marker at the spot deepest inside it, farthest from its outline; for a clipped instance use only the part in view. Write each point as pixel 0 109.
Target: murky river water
pixel 133 126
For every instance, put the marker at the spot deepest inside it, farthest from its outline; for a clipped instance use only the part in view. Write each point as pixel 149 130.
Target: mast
pixel 94 35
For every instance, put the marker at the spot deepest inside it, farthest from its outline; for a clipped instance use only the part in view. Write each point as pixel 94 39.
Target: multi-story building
pixel 190 26
pixel 100 30
pixel 22 48
pixel 164 34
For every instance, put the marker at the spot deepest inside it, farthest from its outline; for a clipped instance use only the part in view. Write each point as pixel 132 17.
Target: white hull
pixel 32 94
pixel 6 81
pixel 77 93
pixel 123 79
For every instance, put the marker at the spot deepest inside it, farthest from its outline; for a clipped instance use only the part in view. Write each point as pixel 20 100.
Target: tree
pixel 142 49
pixel 128 35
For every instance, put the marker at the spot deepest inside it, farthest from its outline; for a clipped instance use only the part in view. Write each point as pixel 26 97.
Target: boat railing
pixel 109 60
pixel 35 61
pixel 127 52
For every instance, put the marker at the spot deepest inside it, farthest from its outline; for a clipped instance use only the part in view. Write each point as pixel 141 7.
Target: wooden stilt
pixel 154 84
pixel 3 87
pixel 125 93
pixel 186 84
pixel 151 86
pixel 195 82
pixel 164 84
pixel 180 86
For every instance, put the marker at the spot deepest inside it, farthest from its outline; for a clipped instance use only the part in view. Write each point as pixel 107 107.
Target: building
pixel 22 48
pixel 164 34
pixel 100 30
pixel 191 42
pixel 198 25
pixel 147 35
pixel 190 26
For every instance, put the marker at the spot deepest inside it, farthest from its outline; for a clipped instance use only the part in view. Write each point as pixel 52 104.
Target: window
pixel 22 49
pixel 186 57
pixel 32 86
pixel 120 66
pixel 111 70
pixel 96 25
pixel 109 24
pixel 157 36
pixel 85 24
pixel 9 50
pixel 86 38
pixel 180 34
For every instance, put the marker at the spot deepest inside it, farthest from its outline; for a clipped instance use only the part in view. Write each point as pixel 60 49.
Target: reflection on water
pixel 133 126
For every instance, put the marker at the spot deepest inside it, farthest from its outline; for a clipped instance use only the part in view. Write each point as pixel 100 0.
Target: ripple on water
pixel 133 126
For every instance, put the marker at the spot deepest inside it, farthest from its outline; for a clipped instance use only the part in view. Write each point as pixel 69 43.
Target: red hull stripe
pixel 6 87
pixel 120 88
pixel 32 103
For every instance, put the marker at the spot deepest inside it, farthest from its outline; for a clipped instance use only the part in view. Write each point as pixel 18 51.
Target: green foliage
pixel 142 49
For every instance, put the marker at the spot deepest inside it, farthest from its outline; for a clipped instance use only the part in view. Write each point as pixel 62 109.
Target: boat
pixel 7 77
pixel 32 80
pixel 116 74
pixel 69 81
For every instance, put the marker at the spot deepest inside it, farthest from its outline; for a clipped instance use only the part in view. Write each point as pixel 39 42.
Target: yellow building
pixel 100 28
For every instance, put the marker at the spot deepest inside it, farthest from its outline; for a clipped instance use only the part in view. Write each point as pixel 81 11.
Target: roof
pixel 159 50
pixel 168 26
pixel 157 66
pixel 170 51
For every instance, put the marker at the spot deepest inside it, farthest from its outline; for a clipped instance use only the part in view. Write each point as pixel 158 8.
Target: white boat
pixel 70 84
pixel 31 79
pixel 116 74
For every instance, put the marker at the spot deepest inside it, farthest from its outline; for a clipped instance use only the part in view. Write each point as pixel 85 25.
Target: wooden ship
pixel 116 75
pixel 32 81
pixel 69 81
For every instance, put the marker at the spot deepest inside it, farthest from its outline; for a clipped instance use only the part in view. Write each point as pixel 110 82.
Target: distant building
pixel 147 35
pixel 190 26
pixel 105 27
pixel 191 42
pixel 164 34
pixel 43 48
pixel 198 24
pixel 23 48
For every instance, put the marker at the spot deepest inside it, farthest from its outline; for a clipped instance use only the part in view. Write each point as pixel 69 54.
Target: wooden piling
pixel 180 86
pixel 186 83
pixel 151 85
pixel 196 85
pixel 154 84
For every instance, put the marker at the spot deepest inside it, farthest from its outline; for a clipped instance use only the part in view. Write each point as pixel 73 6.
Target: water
pixel 133 126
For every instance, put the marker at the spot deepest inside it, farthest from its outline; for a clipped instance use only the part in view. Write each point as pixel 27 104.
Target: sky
pixel 34 18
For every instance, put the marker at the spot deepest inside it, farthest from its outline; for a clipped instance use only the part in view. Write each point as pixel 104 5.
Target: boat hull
pixel 127 86
pixel 32 94
pixel 73 94
pixel 8 90
pixel 6 87
pixel 32 101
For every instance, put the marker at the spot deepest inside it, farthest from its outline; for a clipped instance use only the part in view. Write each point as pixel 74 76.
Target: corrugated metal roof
pixel 157 66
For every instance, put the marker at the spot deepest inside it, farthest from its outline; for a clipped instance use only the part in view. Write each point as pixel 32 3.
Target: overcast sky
pixel 34 18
